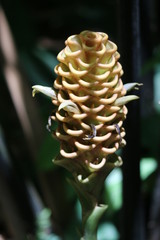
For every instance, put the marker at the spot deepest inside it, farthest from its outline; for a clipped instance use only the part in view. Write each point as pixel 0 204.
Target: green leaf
pixel 48 91
pixel 124 100
pixel 108 231
pixel 43 226
pixel 46 57
pixel 36 74
pixel 113 186
pixel 132 86
pixel 49 149
pixel 147 167
pixel 69 106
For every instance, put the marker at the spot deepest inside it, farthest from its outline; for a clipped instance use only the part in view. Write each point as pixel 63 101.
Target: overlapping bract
pixel 88 87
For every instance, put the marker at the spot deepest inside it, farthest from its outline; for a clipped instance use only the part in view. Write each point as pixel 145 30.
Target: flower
pixel 90 99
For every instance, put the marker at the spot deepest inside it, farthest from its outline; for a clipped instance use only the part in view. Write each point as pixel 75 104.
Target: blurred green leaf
pixel 156 82
pixel 107 231
pixel 48 151
pixel 147 167
pixel 43 224
pixel 78 210
pixel 113 186
pixel 151 134
pixel 152 62
pixel 47 58
pixel 34 72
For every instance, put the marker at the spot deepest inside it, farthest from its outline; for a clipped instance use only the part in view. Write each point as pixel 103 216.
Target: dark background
pixel 36 202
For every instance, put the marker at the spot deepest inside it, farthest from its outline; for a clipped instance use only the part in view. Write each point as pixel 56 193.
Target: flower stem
pixel 91 223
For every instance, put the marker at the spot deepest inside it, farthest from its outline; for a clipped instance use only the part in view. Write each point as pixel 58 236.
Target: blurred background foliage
pixel 36 201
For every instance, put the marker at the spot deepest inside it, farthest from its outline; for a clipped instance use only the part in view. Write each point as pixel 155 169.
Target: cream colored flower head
pixel 90 98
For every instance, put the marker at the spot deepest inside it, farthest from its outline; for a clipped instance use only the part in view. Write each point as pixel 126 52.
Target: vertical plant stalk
pixel 90 99
pixel 133 210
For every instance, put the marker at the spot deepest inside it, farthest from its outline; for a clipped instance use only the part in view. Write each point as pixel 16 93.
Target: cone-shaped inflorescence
pixel 89 98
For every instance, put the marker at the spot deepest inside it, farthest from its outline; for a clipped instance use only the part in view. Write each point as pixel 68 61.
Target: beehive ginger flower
pixel 90 99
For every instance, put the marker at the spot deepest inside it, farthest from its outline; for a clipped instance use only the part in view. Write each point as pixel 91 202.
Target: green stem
pixel 88 186
pixel 91 222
